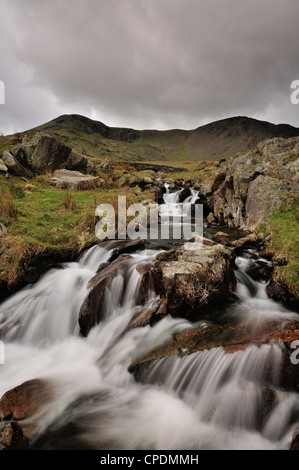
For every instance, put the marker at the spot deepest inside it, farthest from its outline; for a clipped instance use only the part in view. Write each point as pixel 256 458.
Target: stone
pixel 206 187
pixel 147 280
pixel 76 181
pixel 137 190
pixel 3 167
pixel 147 316
pixel 210 218
pixel 124 247
pixel 43 154
pixel 189 280
pixel 91 309
pixel 3 231
pixel 25 400
pixel 221 234
pixel 235 338
pixel 264 197
pixel 12 437
pixel 13 165
pixel 186 192
pixel 249 241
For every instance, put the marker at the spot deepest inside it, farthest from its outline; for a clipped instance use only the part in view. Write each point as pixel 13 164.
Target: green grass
pixel 49 221
pixel 284 229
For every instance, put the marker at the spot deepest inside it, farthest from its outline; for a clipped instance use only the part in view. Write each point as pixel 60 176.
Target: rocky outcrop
pixel 264 197
pixel 43 154
pixel 247 190
pixel 191 280
pixel 76 181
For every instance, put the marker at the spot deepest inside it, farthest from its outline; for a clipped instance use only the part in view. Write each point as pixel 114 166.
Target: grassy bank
pixel 283 227
pixel 44 220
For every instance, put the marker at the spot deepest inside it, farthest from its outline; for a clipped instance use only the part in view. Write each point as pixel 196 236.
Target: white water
pixel 172 206
pixel 208 400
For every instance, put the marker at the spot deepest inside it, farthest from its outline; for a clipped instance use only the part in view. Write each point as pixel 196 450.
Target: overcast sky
pixel 148 63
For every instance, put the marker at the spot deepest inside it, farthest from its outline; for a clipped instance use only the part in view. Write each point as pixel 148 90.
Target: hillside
pixel 214 141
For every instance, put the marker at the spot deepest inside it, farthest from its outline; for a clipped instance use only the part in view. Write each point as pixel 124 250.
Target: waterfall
pixel 206 400
pixel 172 205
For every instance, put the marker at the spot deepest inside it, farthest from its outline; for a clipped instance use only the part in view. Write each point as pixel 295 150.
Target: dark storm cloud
pixel 148 63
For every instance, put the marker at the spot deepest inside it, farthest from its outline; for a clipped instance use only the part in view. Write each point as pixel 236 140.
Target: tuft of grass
pixel 7 204
pixel 69 202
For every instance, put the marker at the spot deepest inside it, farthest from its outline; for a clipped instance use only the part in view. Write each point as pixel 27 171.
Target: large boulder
pixel 75 180
pixel 254 183
pixel 191 279
pixel 42 154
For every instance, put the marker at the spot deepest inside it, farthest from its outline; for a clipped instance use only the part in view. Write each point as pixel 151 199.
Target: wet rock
pixel 25 400
pixel 91 309
pixel 221 234
pixel 147 280
pixel 125 247
pixel 186 192
pixel 12 437
pixel 191 279
pixel 147 316
pixel 236 337
pixel 249 241
pixel 76 181
pixel 268 399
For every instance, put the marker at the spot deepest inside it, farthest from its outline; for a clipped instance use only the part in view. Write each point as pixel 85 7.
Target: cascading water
pixel 172 205
pixel 208 400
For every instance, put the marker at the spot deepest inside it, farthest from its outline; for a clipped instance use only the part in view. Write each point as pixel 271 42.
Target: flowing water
pixel 208 400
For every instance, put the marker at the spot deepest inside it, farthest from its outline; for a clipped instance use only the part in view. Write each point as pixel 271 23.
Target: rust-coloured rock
pixel 25 400
pixel 235 338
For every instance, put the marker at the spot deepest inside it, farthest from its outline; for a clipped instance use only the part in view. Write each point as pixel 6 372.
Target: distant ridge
pixel 219 139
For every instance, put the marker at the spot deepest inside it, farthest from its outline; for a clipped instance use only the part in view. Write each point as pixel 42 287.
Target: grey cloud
pixel 148 63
